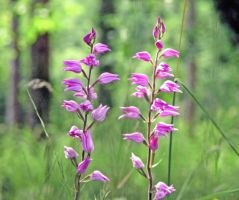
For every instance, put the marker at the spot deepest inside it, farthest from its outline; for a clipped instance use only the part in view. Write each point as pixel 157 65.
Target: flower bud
pixel 98 176
pixel 70 152
pixel 137 162
pixel 82 167
pixel 163 27
pixel 159 19
pixel 153 144
pixel 89 38
pixel 159 44
pixel 156 32
pixel 87 142
pixel 75 132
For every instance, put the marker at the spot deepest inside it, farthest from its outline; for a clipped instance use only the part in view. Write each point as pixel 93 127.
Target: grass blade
pixel 210 118
pixel 38 115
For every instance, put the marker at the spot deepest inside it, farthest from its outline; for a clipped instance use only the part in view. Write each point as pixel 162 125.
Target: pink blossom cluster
pixel 150 90
pixel 84 106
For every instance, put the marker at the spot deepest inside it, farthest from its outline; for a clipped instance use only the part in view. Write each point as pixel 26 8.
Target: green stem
pixel 77 193
pixel 150 178
pixel 149 157
pixel 174 94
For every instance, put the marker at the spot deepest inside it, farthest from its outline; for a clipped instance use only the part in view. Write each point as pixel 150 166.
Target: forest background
pixel 37 36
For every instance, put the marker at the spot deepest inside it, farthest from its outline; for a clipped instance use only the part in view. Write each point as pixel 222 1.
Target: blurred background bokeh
pixel 36 36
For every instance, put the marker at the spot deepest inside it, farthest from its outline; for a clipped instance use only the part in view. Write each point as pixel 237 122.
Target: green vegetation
pixel 203 165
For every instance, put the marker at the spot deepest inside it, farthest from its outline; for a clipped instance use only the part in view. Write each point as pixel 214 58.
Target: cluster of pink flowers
pixel 157 108
pixel 84 108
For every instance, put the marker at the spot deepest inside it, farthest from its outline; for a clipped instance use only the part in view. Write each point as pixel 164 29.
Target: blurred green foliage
pixel 202 164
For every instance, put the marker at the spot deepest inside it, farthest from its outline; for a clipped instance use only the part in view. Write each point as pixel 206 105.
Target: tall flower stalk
pixel 149 90
pixel 89 115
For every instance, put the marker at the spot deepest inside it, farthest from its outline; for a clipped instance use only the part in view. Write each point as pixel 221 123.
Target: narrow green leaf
pixel 157 163
pixel 210 118
pixel 38 115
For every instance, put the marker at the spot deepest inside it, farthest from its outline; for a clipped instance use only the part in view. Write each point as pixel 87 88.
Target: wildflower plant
pixel 150 90
pixel 84 108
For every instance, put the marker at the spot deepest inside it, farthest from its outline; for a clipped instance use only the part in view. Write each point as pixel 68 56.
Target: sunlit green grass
pixel 32 169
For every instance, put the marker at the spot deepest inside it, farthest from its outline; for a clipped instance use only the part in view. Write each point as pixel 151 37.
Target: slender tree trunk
pixel 191 63
pixel 39 84
pixel 13 106
pixel 107 8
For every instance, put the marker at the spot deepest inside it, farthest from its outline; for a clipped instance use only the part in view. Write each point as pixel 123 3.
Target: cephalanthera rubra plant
pixel 150 90
pixel 84 108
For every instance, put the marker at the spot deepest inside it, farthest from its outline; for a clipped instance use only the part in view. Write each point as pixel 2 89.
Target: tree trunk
pixel 191 63
pixel 13 106
pixel 107 8
pixel 229 14
pixel 39 84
